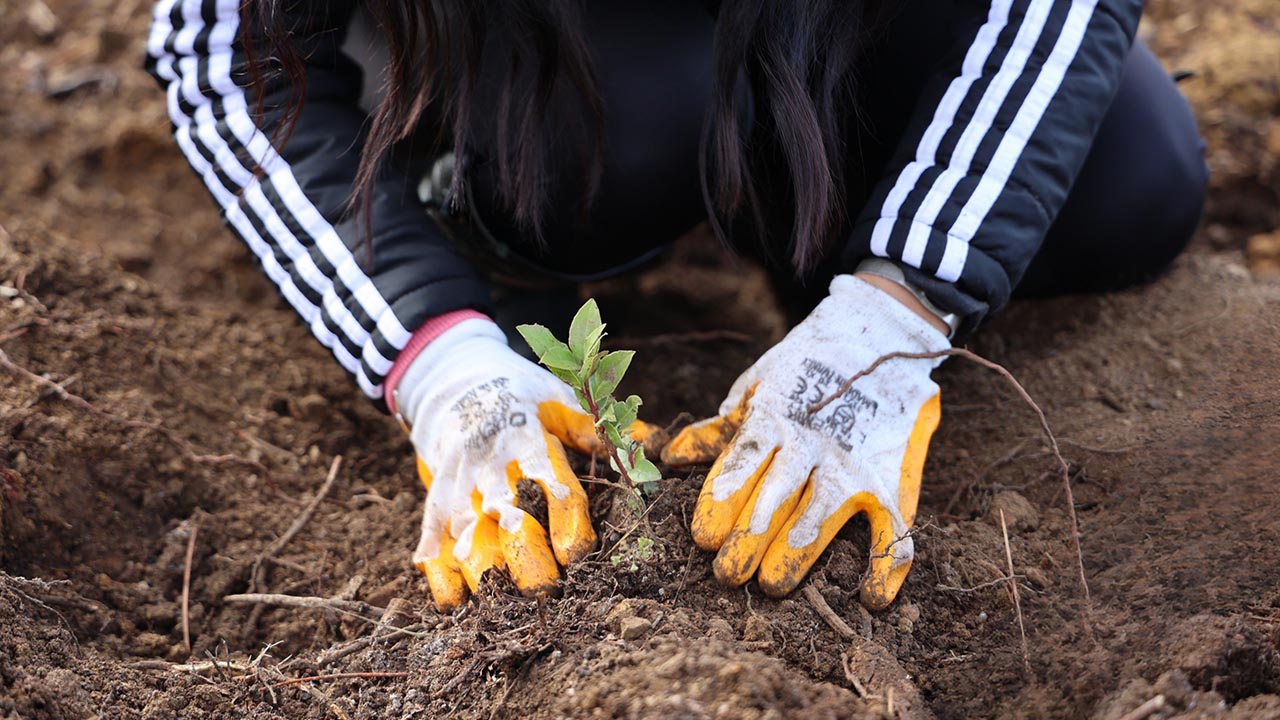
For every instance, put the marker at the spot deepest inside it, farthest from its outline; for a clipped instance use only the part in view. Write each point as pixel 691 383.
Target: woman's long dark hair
pixel 796 56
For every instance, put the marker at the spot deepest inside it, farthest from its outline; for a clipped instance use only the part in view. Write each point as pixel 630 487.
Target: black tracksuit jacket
pixel 989 110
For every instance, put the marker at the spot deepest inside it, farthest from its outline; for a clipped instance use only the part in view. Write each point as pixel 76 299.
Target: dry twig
pixel 383 632
pixel 354 607
pixel 1017 602
pixel 1146 709
pixel 825 612
pixel 256 576
pixel 186 587
pixel 848 675
pixel 980 586
pixel 340 676
pixel 1064 470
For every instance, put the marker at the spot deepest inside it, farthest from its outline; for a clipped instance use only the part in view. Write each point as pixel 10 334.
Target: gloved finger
pixel 805 535
pixel 444 578
pixel 892 549
pixel 527 554
pixel 651 437
pixel 914 457
pixel 577 430
pixel 771 504
pixel 572 426
pixel 424 473
pixel 704 440
pixel 434 559
pixel 891 553
pixel 568 515
pixel 478 547
pixel 730 483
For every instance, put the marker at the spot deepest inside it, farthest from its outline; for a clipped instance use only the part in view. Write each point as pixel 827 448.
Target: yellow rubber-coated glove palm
pixel 785 481
pixel 482 418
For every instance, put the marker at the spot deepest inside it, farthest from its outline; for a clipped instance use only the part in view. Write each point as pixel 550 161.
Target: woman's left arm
pixel 994 144
pixel 984 167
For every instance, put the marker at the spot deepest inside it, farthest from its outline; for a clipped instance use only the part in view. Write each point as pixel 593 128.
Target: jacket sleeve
pixel 995 142
pixel 362 305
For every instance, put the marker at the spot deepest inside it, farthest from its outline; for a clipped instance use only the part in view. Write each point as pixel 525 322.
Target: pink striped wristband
pixel 429 331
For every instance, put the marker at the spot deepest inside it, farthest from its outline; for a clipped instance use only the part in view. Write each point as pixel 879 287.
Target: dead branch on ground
pixel 1017 602
pixel 339 676
pixel 829 616
pixel 256 576
pixel 186 587
pixel 337 652
pixel 351 607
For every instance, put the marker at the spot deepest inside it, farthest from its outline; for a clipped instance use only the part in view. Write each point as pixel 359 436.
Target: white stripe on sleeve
pixel 182 73
pixel 944 116
pixel 1015 140
pixel 993 99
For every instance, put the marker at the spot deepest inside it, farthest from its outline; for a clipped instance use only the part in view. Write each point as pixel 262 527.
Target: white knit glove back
pixel 481 418
pixel 786 480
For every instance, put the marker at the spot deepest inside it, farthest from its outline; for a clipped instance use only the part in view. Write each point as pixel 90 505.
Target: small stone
pixel 906 625
pixel 633 628
pixel 720 629
pixel 910 611
pixel 150 644
pixel 1175 687
pixel 619 614
pixel 399 613
pixel 1037 577
pixel 757 630
pixel 1263 253
pixel 1019 513
pixel 312 407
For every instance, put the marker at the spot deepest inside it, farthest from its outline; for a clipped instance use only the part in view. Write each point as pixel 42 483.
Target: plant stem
pixel 604 440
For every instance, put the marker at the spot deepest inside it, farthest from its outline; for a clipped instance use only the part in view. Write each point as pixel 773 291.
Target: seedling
pixel 594 375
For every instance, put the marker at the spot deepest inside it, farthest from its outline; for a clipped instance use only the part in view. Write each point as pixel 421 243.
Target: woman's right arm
pixel 363 306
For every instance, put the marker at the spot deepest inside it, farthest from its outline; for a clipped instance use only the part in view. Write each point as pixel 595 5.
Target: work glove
pixel 784 480
pixel 481 418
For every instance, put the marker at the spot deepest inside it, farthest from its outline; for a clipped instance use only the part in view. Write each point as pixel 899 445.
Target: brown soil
pixel 117 282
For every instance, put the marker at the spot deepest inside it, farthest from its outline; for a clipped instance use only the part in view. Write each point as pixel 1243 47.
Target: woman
pixel 907 164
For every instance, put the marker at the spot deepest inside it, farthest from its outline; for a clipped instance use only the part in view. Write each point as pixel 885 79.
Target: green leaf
pixel 569 378
pixel 607 416
pixel 592 343
pixel 625 413
pixel 539 338
pixel 612 367
pixel 614 436
pixel 585 322
pixel 645 472
pixel 558 357
pixel 644 547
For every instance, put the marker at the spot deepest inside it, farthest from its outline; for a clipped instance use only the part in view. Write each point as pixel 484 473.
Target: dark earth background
pixel 211 410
